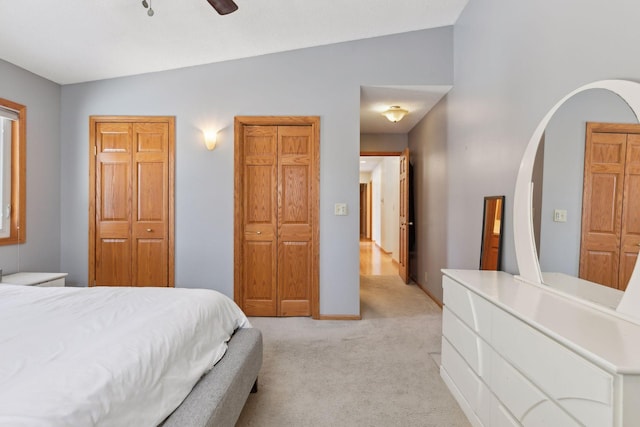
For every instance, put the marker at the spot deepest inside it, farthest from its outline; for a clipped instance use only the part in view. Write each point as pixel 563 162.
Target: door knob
pixel 411 223
pixel 149 230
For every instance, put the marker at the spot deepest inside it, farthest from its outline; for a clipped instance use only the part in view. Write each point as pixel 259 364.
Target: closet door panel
pixel 602 207
pixel 294 270
pixel 295 148
pixel 150 204
pixel 113 204
pixel 150 262
pixel 113 265
pixel 259 221
pixel 276 211
pixel 630 244
pixel 131 201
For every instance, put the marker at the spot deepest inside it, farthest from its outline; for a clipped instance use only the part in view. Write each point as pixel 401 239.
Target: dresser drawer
pixel 528 404
pixel 477 395
pixel 469 345
pixel 472 309
pixel 580 387
pixel 500 417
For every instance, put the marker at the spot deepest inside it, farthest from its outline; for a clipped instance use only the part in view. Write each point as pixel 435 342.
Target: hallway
pixel 374 261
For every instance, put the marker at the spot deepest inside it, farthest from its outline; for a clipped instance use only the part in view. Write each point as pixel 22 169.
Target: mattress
pixel 106 356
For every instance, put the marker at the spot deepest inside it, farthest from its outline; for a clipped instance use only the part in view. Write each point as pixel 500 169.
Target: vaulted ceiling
pixel 75 41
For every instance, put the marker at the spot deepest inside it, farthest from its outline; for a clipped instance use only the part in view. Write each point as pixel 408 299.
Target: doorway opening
pixel 384 219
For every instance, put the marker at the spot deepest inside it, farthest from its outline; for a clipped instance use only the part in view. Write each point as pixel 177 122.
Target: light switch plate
pixel 560 215
pixel 340 209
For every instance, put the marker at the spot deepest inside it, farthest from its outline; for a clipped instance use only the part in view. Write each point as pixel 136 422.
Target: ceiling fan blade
pixel 223 7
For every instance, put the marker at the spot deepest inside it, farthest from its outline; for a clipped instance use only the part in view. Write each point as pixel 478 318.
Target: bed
pixel 124 356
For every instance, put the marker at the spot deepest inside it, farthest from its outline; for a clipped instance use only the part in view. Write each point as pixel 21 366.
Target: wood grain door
pixel 295 219
pixel 259 221
pixel 630 235
pixel 403 256
pixel 150 204
pixel 112 205
pixel 363 211
pixel 131 201
pixel 602 207
pixel 276 204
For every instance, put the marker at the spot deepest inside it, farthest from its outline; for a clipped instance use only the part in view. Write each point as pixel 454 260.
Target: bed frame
pixel 218 397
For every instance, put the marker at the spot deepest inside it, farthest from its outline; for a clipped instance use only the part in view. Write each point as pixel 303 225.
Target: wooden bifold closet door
pixel 276 215
pixel 131 201
pixel 611 204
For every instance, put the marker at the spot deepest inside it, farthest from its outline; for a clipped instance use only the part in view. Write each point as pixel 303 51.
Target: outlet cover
pixel 340 209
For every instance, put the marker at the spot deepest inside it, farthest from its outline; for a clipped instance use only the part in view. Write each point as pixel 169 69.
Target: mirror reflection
pixel 584 224
pixel 492 225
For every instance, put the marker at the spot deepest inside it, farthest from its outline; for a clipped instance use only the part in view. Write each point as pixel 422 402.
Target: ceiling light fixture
pixel 395 113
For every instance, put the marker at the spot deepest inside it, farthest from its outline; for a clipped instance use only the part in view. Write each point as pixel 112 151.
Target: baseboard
pixel 429 294
pixel 381 248
pixel 340 317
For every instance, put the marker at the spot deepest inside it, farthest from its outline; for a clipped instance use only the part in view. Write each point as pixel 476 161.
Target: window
pixel 13 164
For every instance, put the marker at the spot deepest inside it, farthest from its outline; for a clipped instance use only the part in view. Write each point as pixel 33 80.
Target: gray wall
pixel 322 81
pixel 513 61
pixel 564 171
pixel 41 252
pixel 428 146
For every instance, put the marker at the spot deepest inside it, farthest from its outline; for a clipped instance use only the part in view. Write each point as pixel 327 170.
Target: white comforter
pixel 106 356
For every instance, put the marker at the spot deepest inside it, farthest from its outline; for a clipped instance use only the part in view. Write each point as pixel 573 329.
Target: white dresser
pixel 516 354
pixel 35 279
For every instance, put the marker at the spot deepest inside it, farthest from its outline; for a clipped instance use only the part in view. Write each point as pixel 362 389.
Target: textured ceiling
pixel 74 41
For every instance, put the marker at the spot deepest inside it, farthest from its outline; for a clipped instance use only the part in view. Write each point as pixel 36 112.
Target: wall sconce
pixel 210 139
pixel 395 113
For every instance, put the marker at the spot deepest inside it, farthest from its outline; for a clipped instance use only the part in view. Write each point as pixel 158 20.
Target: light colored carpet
pixel 379 371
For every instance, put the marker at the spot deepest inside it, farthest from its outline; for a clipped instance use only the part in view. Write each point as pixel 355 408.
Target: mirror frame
pixel 488 199
pixel 524 240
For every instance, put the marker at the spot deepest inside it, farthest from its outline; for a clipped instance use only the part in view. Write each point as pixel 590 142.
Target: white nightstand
pixel 35 279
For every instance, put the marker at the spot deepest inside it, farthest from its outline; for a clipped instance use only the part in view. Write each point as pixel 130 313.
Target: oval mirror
pixel 551 219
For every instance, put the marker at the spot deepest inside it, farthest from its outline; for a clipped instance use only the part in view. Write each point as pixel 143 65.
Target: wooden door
pixel 112 205
pixel 363 211
pixel 602 207
pixel 276 204
pixel 630 235
pixel 295 219
pixel 150 204
pixel 131 201
pixel 259 221
pixel 403 256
